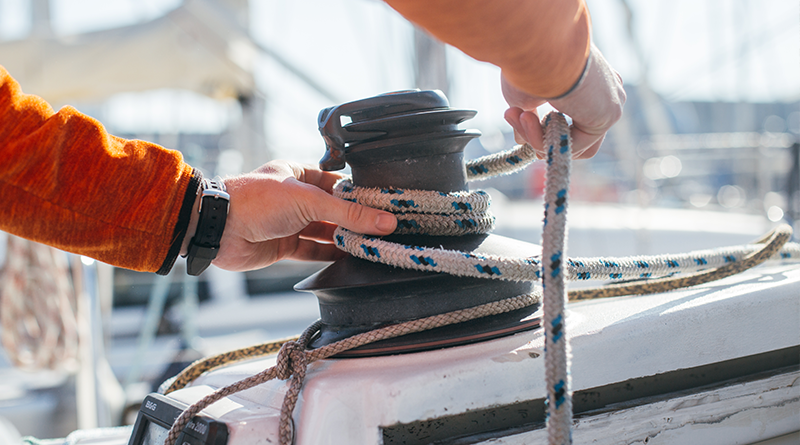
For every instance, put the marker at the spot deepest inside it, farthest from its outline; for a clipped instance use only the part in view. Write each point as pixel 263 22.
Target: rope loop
pixel 291 358
pixel 292 363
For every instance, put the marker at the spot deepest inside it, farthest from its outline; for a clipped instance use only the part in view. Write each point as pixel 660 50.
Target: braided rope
pixel 206 364
pixel 558 143
pixel 529 269
pixel 423 211
pixel 293 356
pixel 502 163
pixel 38 307
pixel 770 246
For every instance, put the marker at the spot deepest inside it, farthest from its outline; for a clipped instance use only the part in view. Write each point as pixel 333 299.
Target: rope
pixel 425 212
pixel 206 364
pixel 502 163
pixel 459 213
pixel 293 355
pixel 772 243
pixel 529 269
pixel 469 214
pixel 770 246
pixel 37 307
pixel 558 143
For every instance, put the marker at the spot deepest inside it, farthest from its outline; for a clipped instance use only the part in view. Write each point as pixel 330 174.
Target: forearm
pixel 542 46
pixel 70 184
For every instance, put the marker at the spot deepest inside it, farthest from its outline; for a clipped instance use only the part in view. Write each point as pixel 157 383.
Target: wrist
pixel 578 83
pixel 596 101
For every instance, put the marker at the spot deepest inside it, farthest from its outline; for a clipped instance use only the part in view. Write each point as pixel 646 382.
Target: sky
pixel 707 50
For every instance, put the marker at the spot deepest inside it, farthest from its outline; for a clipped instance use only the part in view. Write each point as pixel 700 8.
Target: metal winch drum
pixel 409 140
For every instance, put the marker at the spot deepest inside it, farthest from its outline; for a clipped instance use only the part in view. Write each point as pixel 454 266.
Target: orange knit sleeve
pixel 541 45
pixel 67 183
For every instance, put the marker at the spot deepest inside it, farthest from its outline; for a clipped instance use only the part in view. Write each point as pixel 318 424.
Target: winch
pixel 395 142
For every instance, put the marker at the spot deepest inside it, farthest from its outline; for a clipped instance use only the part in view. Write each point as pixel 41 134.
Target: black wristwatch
pixel 213 210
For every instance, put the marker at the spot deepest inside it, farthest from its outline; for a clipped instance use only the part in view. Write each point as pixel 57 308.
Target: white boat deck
pixel 618 345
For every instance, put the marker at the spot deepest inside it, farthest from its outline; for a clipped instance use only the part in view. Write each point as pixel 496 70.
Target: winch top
pixel 388 127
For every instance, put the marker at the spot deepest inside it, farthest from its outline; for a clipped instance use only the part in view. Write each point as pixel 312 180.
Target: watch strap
pixel 204 246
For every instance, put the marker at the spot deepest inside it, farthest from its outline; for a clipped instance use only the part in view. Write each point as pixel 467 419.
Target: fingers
pixel 585 145
pixel 347 214
pixel 533 131
pixel 351 216
pixel 316 177
pixel 324 207
pixel 528 128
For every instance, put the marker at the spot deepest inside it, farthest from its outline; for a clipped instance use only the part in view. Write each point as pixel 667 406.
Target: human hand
pixel 594 106
pixel 284 210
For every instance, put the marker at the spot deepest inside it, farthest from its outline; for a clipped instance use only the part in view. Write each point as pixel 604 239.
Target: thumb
pixel 353 216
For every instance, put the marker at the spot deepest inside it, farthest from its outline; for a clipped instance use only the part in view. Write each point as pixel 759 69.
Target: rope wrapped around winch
pixel 467 212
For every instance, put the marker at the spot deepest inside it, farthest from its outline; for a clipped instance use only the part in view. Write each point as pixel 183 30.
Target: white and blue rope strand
pixel 558 144
pixel 613 269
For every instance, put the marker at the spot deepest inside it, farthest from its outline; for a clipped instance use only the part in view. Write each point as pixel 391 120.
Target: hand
pixel 285 210
pixel 594 106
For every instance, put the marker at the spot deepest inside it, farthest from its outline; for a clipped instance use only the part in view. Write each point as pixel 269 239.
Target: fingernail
pixel 385 222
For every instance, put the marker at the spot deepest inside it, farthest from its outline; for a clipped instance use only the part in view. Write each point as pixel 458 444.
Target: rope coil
pixel 425 212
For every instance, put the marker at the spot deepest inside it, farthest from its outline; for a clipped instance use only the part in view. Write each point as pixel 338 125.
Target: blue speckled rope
pixel 529 269
pixel 558 143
